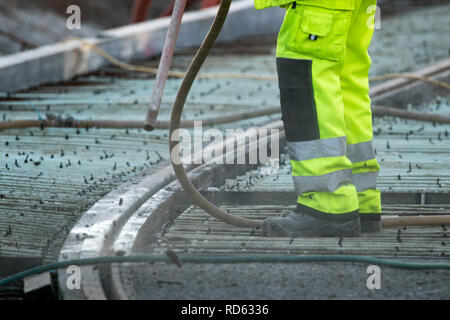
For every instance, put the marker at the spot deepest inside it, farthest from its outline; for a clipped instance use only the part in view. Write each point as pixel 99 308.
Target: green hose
pixel 227 259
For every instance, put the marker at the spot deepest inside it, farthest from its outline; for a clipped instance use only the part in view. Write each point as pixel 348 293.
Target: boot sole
pixel 346 229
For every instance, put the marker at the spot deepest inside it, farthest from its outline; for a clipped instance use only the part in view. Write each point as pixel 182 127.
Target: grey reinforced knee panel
pixel 298 106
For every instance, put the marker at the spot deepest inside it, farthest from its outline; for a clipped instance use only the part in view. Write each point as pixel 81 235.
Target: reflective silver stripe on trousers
pixel 329 182
pixel 365 180
pixel 359 152
pixel 323 148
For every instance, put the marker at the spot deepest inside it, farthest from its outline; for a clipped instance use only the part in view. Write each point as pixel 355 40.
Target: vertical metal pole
pixel 164 65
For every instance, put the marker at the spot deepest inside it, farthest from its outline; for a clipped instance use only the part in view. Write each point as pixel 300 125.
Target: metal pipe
pixel 175 120
pixel 58 121
pixel 404 114
pixel 70 122
pixel 164 65
pixel 422 221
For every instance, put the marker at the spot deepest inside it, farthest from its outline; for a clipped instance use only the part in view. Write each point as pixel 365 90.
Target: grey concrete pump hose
pixel 175 120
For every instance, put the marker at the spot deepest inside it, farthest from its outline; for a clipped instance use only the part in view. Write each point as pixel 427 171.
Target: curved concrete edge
pixel 94 233
pixel 156 212
pixel 95 228
pixel 126 239
pixel 64 60
pixel 142 227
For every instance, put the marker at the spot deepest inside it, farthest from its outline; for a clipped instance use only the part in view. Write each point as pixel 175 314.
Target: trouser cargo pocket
pixel 316 32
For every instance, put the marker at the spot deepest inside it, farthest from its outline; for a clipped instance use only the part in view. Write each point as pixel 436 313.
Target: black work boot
pixel 298 224
pixel 370 222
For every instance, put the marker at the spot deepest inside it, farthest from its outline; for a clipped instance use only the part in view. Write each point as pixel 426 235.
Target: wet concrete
pixel 285 281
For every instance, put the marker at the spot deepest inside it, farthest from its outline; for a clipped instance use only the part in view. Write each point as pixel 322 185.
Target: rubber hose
pixel 175 119
pixel 247 258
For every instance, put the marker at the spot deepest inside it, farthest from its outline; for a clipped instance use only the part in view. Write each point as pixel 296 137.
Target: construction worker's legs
pixel 358 117
pixel 310 54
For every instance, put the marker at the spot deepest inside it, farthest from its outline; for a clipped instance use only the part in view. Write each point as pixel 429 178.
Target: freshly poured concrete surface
pixel 285 281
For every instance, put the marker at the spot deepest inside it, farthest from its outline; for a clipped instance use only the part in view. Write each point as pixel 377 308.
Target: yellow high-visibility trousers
pixel 323 68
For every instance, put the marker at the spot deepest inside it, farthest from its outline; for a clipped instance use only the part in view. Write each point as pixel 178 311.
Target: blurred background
pixel 25 24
